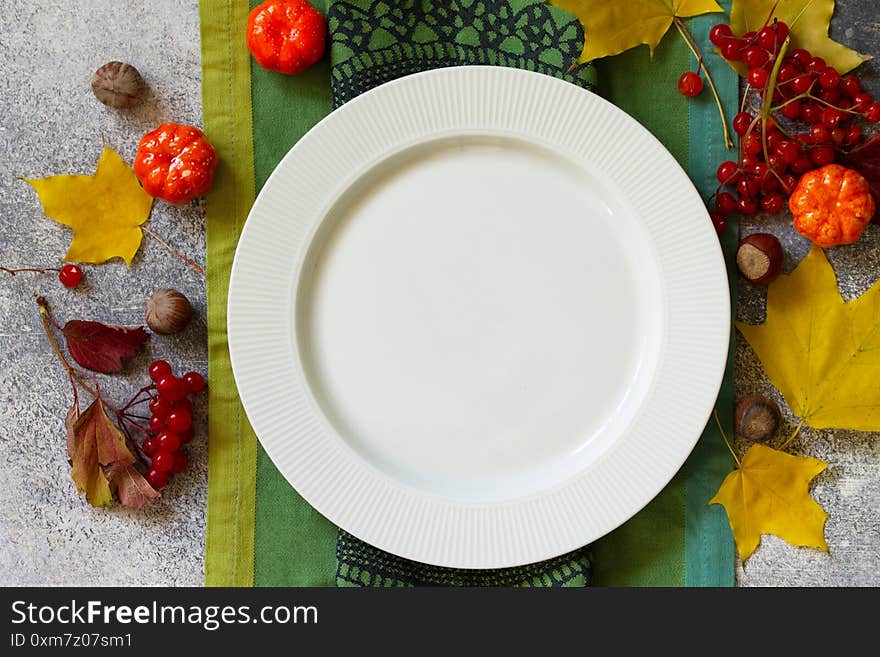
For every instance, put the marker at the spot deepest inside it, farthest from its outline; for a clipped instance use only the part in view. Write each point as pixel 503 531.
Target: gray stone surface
pixel 50 123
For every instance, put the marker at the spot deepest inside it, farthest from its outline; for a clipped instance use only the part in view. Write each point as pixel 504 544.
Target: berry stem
pixel 766 107
pixel 172 250
pixel 724 435
pixel 695 50
pixel 40 270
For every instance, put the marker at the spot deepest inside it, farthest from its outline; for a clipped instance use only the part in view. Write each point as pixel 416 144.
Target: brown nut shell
pixel 168 311
pixel 757 418
pixel 759 258
pixel 118 85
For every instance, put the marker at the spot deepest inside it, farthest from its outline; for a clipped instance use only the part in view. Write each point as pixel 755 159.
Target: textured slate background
pixel 50 123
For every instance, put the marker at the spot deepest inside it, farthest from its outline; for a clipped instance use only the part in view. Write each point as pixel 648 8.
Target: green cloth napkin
pixel 260 532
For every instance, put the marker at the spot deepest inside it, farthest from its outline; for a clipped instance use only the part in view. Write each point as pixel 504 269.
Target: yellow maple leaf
pixel 809 21
pixel 612 27
pixel 821 352
pixel 105 210
pixel 769 493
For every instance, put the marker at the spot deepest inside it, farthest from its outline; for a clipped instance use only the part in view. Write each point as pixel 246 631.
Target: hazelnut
pixel 757 418
pixel 168 311
pixel 118 85
pixel 759 258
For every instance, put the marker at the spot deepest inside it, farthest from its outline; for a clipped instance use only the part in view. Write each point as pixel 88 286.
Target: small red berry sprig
pixel 807 115
pixel 170 423
pixel 70 274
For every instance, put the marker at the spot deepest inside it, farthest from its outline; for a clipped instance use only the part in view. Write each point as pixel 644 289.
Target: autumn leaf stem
pixel 72 372
pixel 726 441
pixel 39 270
pixel 793 435
pixel 172 250
pixel 695 49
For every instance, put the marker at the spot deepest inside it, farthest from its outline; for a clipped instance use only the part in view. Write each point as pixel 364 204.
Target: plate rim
pixel 449 515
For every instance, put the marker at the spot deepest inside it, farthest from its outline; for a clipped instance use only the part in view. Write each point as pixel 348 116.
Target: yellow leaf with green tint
pixel 612 27
pixel 808 20
pixel 105 210
pixel 770 494
pixel 821 352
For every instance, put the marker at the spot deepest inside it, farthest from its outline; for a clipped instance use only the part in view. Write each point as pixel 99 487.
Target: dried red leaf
pixel 101 347
pixel 131 488
pixel 69 422
pixel 97 442
pixel 866 160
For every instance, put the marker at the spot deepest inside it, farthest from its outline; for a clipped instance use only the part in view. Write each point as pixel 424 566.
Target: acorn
pixel 757 418
pixel 759 258
pixel 118 85
pixel 168 311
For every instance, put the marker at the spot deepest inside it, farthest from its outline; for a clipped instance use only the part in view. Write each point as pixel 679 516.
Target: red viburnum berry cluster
pixel 170 422
pixel 808 117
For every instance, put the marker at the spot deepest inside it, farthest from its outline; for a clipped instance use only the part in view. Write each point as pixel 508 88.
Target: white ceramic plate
pixel 478 317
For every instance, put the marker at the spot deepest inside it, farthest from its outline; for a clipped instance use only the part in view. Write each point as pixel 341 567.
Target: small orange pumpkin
pixel 832 205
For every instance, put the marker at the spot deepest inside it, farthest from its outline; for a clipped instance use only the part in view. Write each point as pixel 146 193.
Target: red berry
pixel 788 151
pixel 748 161
pixel 180 462
pixel 187 436
pixel 149 446
pixel 802 56
pixel 731 49
pixel 719 222
pixel 179 420
pixel 157 478
pixel 853 135
pixel 773 138
pixel 816 65
pixel 748 187
pixel 746 206
pixel 157 423
pixel 70 275
pixel 829 78
pixel 800 83
pixel 741 123
pixel 163 460
pixel 792 109
pixel 171 388
pixel 727 172
pixel 862 100
pixel 850 85
pixel 168 440
pixel 719 33
pixel 820 134
pixel 759 170
pixel 811 112
pixel 822 155
pixel 725 203
pixel 770 183
pixel 158 369
pixel 758 77
pixel 772 203
pixel 195 382
pixel 789 182
pixel 690 84
pixel 830 96
pixel 801 165
pixel 831 117
pixel 755 56
pixel 159 407
pixel 753 144
pixel 787 72
pixel 781 31
pixel 184 403
pixel 872 113
pixel 767 38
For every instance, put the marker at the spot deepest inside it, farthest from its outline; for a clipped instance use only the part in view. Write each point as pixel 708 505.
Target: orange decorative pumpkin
pixel 832 205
